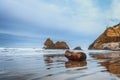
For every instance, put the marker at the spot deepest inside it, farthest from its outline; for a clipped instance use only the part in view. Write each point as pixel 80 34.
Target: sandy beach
pixel 31 64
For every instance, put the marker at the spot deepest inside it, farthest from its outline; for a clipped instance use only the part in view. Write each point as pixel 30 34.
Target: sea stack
pixel 49 44
pixel 109 39
pixel 61 45
pixel 77 48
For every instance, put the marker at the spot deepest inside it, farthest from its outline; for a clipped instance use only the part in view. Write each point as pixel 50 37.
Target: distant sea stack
pixel 109 39
pixel 49 44
pixel 77 48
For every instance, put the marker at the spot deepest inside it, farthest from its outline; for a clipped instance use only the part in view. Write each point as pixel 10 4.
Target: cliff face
pixel 109 39
pixel 58 45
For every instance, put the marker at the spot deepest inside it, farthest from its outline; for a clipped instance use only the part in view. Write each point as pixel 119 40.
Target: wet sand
pixel 35 64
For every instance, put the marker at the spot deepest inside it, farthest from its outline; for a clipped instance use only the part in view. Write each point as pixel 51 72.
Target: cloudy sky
pixel 27 23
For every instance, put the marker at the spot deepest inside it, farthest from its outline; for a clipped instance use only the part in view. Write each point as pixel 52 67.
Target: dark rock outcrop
pixel 109 39
pixel 75 56
pixel 77 48
pixel 58 45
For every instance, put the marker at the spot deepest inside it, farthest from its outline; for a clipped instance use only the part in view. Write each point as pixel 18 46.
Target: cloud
pixel 81 19
pixel 115 9
pixel 115 12
pixel 111 15
pixel 58 18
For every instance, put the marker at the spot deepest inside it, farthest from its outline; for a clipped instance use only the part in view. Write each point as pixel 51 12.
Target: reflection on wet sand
pixel 111 61
pixel 71 64
pixel 108 55
pixel 49 58
pixel 112 67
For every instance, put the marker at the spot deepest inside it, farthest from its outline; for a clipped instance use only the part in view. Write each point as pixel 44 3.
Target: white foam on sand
pixel 27 51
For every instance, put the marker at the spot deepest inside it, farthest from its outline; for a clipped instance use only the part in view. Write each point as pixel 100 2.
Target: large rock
pixel 48 44
pixel 58 45
pixel 75 56
pixel 109 39
pixel 61 45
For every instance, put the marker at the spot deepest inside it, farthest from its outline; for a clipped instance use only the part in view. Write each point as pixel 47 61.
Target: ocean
pixel 33 64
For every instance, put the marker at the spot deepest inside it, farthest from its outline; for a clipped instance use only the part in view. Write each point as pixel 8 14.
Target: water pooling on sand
pixel 31 64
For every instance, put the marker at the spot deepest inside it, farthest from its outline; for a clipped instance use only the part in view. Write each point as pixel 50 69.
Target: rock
pixel 48 44
pixel 109 39
pixel 75 56
pixel 61 45
pixel 77 48
pixel 58 45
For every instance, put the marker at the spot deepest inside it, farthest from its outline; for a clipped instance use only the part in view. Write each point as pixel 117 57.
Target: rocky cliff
pixel 109 39
pixel 48 44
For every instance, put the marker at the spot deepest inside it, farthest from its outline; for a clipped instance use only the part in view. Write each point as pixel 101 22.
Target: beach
pixel 32 64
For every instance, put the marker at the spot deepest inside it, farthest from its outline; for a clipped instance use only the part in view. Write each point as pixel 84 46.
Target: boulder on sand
pixel 75 56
